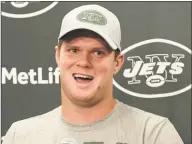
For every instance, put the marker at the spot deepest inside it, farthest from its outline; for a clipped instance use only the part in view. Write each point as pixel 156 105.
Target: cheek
pixel 105 69
pixel 64 65
pixel 65 62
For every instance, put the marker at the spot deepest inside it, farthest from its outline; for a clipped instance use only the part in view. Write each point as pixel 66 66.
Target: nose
pixel 84 61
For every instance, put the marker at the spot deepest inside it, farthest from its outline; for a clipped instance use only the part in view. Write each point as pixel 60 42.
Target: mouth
pixel 82 78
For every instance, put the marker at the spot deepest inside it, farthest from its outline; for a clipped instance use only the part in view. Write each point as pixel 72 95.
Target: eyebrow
pixel 93 48
pixel 100 48
pixel 68 46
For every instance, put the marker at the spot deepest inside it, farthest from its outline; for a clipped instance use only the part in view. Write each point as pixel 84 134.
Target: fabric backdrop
pixel 158 34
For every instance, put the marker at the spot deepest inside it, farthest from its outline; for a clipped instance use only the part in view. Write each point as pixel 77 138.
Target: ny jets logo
pixel 157 70
pixel 24 9
pixel 19 4
pixel 92 16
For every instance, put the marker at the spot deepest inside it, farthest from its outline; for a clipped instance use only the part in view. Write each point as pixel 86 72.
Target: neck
pixel 76 114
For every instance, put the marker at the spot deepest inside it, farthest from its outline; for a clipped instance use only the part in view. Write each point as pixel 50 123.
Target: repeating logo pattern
pixel 7 10
pixel 153 71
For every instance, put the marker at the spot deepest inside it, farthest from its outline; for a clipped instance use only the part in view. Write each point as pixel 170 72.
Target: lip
pixel 83 75
pixel 83 85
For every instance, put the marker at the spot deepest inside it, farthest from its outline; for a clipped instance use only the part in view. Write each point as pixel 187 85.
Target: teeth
pixel 82 76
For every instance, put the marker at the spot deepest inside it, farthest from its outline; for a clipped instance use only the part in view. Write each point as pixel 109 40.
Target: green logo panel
pixel 92 16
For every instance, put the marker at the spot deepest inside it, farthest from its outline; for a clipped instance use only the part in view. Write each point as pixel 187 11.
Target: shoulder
pixel 32 129
pixel 134 113
pixel 147 126
pixel 37 122
pixel 140 120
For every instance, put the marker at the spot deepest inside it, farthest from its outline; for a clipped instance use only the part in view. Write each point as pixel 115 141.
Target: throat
pixel 82 116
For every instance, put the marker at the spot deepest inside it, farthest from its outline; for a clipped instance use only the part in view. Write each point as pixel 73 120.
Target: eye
pixel 73 50
pixel 99 53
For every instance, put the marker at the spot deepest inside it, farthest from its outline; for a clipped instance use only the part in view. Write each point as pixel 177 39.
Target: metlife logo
pixel 33 76
pixel 155 68
pixel 24 9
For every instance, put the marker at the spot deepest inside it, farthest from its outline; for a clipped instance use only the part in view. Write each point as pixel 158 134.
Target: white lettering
pixel 56 74
pixel 147 69
pixel 9 76
pixel 22 78
pixel 162 67
pixel 40 77
pixel 32 75
pixel 127 72
pixel 50 75
pixel 176 68
pixel 133 60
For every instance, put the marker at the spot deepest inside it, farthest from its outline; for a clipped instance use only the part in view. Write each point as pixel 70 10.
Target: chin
pixel 82 97
pixel 85 100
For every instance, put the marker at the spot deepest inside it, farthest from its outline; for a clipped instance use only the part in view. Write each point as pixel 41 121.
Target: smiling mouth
pixel 82 78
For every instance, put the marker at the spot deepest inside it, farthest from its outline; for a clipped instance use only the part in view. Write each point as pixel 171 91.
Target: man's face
pixel 86 70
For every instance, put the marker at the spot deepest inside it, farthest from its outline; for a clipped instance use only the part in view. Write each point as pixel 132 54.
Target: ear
pixel 119 62
pixel 57 55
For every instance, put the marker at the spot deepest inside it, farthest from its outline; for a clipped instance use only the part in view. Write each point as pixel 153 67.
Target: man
pixel 88 55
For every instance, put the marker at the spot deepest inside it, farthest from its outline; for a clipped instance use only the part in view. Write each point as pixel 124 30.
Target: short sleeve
pixel 168 134
pixel 161 132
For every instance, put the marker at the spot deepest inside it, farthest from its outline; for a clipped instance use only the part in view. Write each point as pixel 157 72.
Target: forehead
pixel 85 42
pixel 86 36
